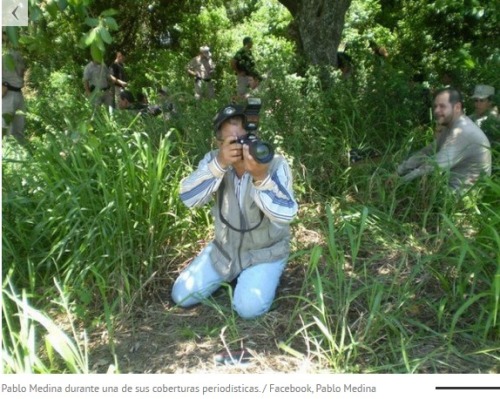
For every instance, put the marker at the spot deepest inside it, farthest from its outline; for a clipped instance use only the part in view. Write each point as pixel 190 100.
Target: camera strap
pixel 225 221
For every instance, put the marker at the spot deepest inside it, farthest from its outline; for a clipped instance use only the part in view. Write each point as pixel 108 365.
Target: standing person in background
pixel 202 69
pixel 243 63
pixel 97 82
pixel 13 106
pixel 117 70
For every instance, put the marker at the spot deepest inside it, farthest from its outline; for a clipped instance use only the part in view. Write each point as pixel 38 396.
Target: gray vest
pixel 252 237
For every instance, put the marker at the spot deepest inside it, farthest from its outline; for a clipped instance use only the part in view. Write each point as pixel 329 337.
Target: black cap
pixel 227 112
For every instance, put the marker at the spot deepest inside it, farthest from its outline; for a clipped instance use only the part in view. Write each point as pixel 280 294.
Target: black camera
pixel 261 151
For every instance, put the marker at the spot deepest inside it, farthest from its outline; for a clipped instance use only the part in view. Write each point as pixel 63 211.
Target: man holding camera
pixel 254 206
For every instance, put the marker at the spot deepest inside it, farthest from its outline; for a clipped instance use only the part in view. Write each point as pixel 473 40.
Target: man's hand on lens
pixel 256 169
pixel 229 152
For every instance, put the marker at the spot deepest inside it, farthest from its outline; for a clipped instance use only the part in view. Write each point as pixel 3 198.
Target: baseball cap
pixel 483 91
pixel 227 112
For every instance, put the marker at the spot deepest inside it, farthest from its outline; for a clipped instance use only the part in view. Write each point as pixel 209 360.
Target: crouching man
pixel 253 207
pixel 460 147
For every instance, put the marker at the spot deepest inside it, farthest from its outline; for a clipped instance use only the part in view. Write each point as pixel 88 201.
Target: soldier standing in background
pixel 202 68
pixel 243 63
pixel 117 70
pixel 13 106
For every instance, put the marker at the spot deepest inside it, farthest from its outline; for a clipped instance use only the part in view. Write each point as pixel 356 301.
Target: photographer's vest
pixel 252 238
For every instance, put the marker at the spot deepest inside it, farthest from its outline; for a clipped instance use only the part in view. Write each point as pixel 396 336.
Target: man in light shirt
pixel 97 81
pixel 13 106
pixel 460 147
pixel 202 69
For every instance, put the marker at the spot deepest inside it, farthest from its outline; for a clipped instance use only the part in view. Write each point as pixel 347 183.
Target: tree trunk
pixel 320 24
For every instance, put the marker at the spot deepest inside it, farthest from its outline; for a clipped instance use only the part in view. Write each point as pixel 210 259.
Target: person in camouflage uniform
pixel 243 63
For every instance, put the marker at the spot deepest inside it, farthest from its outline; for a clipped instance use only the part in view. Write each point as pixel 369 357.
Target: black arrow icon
pixel 14 12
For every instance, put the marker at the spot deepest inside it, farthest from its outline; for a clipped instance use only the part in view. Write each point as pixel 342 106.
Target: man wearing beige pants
pixel 13 107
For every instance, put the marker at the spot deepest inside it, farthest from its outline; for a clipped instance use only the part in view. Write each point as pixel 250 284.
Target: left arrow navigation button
pixel 14 12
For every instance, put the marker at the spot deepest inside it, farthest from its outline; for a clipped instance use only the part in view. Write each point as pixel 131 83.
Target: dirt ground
pixel 160 338
pixel 157 337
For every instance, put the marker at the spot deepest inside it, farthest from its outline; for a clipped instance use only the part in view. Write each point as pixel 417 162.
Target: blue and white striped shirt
pixel 274 196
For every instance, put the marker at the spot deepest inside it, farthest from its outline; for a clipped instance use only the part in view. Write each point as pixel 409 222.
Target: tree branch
pixel 292 5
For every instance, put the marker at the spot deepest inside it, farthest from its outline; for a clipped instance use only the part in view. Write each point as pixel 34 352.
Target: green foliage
pixel 99 35
pixel 404 276
pixel 441 41
pixel 453 37
pixel 380 291
pixel 20 333
pixel 68 206
pixel 203 33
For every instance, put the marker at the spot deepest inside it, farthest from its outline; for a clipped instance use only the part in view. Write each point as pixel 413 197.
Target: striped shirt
pixel 274 196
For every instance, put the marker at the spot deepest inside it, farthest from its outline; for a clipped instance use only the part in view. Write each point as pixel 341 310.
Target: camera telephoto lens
pixel 261 152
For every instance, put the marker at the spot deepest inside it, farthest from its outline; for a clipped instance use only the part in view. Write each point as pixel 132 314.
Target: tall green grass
pixel 102 202
pixel 27 333
pixel 416 296
pixel 407 279
pixel 95 207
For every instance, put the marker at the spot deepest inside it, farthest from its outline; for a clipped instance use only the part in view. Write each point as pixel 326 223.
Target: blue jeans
pixel 254 292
